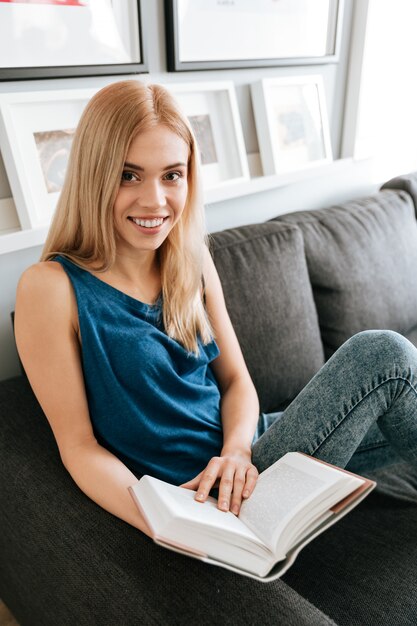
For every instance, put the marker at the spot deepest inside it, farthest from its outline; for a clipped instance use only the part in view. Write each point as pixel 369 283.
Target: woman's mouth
pixel 146 223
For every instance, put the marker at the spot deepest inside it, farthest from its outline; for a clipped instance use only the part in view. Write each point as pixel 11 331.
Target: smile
pixel 148 223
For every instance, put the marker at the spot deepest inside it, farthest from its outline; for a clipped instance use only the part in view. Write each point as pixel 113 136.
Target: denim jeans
pixel 359 411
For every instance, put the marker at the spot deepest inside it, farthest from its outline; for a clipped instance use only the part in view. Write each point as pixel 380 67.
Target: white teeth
pixel 148 223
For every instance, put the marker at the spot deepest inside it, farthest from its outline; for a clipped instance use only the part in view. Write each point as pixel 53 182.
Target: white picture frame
pixel 291 123
pixel 34 142
pixel 36 133
pixel 213 112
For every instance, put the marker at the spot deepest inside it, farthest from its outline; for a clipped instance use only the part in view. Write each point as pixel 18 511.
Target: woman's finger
pixel 193 483
pixel 238 486
pixel 251 478
pixel 226 486
pixel 208 478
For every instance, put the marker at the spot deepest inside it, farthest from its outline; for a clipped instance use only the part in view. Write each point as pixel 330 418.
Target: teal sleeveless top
pixel 152 403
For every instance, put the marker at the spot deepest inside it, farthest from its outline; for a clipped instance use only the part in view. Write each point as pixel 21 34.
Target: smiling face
pixel 153 190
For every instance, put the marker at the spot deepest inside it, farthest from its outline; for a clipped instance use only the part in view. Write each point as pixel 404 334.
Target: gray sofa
pixel 296 288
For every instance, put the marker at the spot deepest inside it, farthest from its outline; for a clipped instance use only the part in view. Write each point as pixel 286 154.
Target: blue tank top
pixel 152 403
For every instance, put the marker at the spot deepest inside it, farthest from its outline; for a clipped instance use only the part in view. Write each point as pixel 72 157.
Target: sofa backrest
pixel 362 263
pixel 298 286
pixel 268 293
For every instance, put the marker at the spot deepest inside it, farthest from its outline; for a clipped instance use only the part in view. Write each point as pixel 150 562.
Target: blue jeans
pixel 359 411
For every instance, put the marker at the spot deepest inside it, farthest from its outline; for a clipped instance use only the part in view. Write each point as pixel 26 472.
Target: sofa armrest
pixel 407 183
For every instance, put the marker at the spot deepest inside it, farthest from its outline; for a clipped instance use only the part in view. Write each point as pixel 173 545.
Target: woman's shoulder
pixel 44 274
pixel 210 275
pixel 208 264
pixel 45 282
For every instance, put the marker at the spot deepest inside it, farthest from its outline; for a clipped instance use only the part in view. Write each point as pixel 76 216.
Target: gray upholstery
pixel 270 302
pixel 64 561
pixel 362 260
pixel 407 183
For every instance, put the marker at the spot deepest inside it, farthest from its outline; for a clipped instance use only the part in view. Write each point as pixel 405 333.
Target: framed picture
pixel 62 38
pixel 220 34
pixel 291 123
pixel 214 116
pixel 36 130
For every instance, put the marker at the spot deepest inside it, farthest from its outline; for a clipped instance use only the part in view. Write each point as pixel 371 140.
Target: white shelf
pixel 259 184
pixel 12 240
pixel 21 239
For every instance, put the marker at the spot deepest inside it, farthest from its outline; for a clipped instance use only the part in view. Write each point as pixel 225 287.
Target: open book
pixel 294 500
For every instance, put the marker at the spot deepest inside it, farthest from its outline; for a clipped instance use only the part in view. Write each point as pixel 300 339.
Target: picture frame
pixel 37 38
pixel 222 34
pixel 291 123
pixel 36 131
pixel 35 137
pixel 212 110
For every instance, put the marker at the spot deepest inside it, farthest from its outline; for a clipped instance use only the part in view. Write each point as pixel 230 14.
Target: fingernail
pixel 224 505
pixel 200 496
pixel 245 494
pixel 235 509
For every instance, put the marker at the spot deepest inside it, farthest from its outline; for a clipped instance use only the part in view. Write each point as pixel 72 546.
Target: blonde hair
pixel 83 229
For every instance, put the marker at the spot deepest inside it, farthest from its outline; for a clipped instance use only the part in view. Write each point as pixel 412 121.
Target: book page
pixel 156 496
pixel 276 497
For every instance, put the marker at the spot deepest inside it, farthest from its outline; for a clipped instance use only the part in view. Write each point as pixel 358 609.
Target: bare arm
pixel 239 408
pixel 240 404
pixel 46 328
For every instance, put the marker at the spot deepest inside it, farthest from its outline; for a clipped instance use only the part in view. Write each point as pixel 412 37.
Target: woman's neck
pixel 139 277
pixel 135 268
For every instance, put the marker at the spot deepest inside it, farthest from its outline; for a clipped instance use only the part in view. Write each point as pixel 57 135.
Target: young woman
pixel 123 331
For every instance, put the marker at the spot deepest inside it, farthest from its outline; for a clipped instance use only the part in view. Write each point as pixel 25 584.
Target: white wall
pixel 350 180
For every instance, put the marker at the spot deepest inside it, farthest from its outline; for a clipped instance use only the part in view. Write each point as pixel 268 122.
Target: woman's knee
pixel 384 344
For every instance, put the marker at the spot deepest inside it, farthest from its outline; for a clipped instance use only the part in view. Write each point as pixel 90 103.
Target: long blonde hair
pixel 83 229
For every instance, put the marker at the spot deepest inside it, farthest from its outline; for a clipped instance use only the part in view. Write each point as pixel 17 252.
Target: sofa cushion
pixel 362 261
pixel 407 183
pixel 268 294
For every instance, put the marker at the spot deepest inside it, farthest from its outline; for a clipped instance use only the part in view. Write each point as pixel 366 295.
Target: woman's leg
pixel 371 379
pixel 373 452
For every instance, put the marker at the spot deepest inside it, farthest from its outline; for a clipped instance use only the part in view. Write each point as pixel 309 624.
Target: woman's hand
pixel 235 476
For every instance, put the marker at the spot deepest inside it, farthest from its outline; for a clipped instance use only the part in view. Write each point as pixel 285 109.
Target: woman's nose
pixel 151 195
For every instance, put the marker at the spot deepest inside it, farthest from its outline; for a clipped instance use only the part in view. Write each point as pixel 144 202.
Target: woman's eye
pixel 128 177
pixel 173 176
